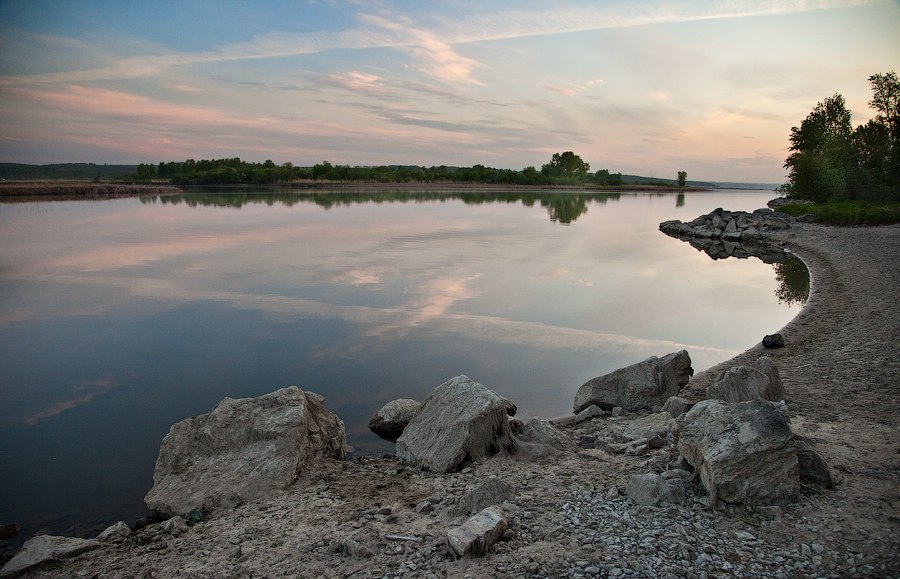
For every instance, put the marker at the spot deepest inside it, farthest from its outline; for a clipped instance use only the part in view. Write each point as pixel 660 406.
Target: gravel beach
pixel 568 515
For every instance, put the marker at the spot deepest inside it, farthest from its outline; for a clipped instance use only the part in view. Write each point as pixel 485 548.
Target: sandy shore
pixel 841 369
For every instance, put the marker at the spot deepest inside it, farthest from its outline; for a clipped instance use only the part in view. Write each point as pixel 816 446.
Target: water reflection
pixel 562 207
pixel 791 273
pixel 119 318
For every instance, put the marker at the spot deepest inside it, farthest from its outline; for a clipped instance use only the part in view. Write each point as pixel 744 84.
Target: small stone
pixel 773 341
pixel 424 507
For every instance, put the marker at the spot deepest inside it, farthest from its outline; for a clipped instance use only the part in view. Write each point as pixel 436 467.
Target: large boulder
pixel 392 418
pixel 459 422
pixel 243 449
pixel 640 386
pixel 744 452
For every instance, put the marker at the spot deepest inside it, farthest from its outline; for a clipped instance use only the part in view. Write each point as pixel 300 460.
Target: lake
pixel 119 318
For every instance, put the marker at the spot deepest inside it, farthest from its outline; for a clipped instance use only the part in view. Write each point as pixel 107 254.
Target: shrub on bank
pixel 848 212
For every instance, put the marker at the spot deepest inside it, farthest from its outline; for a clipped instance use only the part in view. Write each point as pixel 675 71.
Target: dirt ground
pixel 841 370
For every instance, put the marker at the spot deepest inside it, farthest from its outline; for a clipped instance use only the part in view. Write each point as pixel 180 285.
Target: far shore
pixel 72 189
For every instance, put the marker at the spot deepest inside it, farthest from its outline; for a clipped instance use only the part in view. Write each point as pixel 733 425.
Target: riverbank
pixel 68 190
pixel 18 191
pixel 841 369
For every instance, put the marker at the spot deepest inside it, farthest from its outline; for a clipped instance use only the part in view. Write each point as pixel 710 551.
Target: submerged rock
pixel 459 422
pixel 241 450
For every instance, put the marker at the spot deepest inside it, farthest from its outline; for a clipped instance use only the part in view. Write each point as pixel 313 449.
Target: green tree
pixel 820 164
pixel 886 100
pixel 567 166
pixel 682 178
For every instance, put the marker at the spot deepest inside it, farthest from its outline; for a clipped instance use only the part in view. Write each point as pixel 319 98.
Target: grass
pixel 848 213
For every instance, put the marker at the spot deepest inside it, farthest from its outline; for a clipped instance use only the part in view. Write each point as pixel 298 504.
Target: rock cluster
pixel 722 234
pixel 734 226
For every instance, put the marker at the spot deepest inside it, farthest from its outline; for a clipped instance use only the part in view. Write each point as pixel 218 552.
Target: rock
pixel 742 383
pixel 639 386
pixel 241 450
pixel 491 491
pixel 459 422
pixel 352 548
pixel 9 530
pixel 392 418
pixel 475 536
pixel 592 411
pixel 115 532
pixel 812 466
pixel 773 341
pixel 738 384
pixel 676 406
pixel 540 431
pixel 648 427
pixel 744 452
pixel 652 490
pixel 774 391
pixel 175 526
pixel 44 548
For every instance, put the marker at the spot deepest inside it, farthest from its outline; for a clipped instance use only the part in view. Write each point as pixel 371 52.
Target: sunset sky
pixel 643 87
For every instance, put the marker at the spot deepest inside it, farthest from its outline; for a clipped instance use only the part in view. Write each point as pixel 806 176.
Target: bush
pixel 848 212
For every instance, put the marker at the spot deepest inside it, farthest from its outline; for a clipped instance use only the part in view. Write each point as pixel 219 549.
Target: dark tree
pixel 682 178
pixel 566 165
pixel 820 162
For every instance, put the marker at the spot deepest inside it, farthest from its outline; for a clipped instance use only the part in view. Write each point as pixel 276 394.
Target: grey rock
pixel 175 526
pixel 475 536
pixel 774 390
pixel 653 490
pixel 540 431
pixel 648 427
pixel 676 406
pixel 45 548
pixel 744 452
pixel 773 341
pixel 742 383
pixel 813 467
pixel 460 421
pixel 115 532
pixel 738 384
pixel 592 411
pixel 639 386
pixel 491 491
pixel 352 548
pixel 241 450
pixel 392 418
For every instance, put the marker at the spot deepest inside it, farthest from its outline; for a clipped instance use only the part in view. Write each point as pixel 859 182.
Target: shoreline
pixel 57 190
pixel 844 338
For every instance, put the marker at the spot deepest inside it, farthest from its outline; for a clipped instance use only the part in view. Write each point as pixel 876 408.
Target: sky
pixel 637 87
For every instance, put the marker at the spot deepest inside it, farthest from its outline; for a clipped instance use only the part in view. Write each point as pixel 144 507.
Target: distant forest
pixel 564 169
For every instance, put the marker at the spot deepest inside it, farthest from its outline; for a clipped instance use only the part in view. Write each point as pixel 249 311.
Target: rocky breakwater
pixel 722 233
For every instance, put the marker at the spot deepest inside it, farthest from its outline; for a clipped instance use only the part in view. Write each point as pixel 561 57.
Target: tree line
pixel 563 169
pixel 832 161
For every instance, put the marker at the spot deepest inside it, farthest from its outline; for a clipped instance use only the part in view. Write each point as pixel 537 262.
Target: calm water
pixel 119 318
